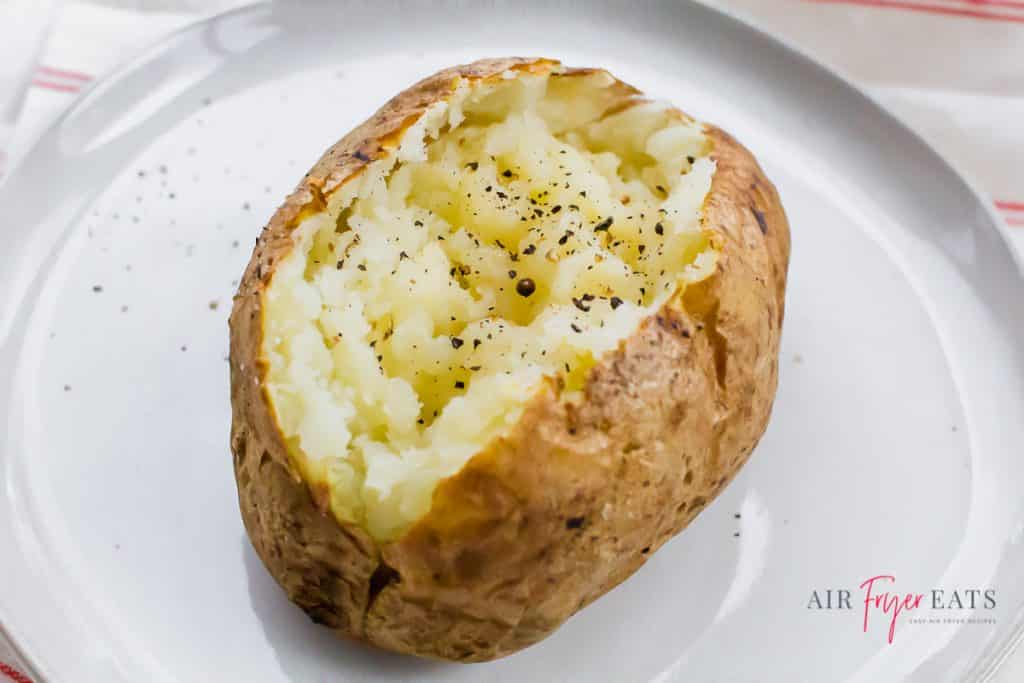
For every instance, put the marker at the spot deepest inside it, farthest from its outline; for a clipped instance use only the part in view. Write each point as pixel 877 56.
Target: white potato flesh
pixel 518 232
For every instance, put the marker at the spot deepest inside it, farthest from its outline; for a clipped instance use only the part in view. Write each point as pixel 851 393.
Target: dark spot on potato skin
pixel 761 222
pixel 381 578
pixel 469 564
pixel 678 414
pixel 674 325
pixel 321 615
pixel 574 523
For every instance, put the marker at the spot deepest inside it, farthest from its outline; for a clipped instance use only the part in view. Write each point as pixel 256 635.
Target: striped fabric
pixel 60 80
pixel 1011 11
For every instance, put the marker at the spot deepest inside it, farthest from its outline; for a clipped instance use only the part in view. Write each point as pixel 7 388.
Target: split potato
pixel 505 339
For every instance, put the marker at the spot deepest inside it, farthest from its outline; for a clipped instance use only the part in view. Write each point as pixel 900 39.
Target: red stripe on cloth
pixel 50 85
pixel 1016 222
pixel 64 73
pixel 13 674
pixel 929 9
pixel 1009 206
pixel 1015 4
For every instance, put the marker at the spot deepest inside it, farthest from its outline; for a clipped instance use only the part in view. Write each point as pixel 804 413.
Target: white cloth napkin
pixel 952 69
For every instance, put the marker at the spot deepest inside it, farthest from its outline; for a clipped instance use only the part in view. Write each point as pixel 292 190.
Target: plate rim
pixel 989 660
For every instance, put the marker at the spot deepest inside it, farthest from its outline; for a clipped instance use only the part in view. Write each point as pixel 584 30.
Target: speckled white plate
pixel 895 447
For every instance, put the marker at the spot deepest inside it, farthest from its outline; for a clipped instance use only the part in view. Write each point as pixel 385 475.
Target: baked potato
pixel 505 339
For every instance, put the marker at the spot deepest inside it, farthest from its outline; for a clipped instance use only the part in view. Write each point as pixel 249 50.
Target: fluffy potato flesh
pixel 517 232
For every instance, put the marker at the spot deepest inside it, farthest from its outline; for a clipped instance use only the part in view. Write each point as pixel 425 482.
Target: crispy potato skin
pixel 577 496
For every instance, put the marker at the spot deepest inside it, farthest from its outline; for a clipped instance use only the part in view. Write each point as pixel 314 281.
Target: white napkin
pixel 952 69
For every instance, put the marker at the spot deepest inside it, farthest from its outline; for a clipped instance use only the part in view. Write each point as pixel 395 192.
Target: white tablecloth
pixel 952 69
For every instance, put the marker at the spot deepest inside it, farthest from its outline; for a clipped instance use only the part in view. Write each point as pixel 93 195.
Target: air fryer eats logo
pixel 880 604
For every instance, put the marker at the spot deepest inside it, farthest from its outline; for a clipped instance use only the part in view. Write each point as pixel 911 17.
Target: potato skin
pixel 577 496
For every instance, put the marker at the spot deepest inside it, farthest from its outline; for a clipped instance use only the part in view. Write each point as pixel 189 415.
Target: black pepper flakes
pixel 604 225
pixel 659 228
pixel 615 302
pixel 525 287
pixel 459 384
pixel 574 522
pixel 456 342
pixel 511 275
pixel 575 328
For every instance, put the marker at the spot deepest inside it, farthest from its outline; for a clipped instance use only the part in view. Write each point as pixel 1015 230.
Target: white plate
pixel 894 448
